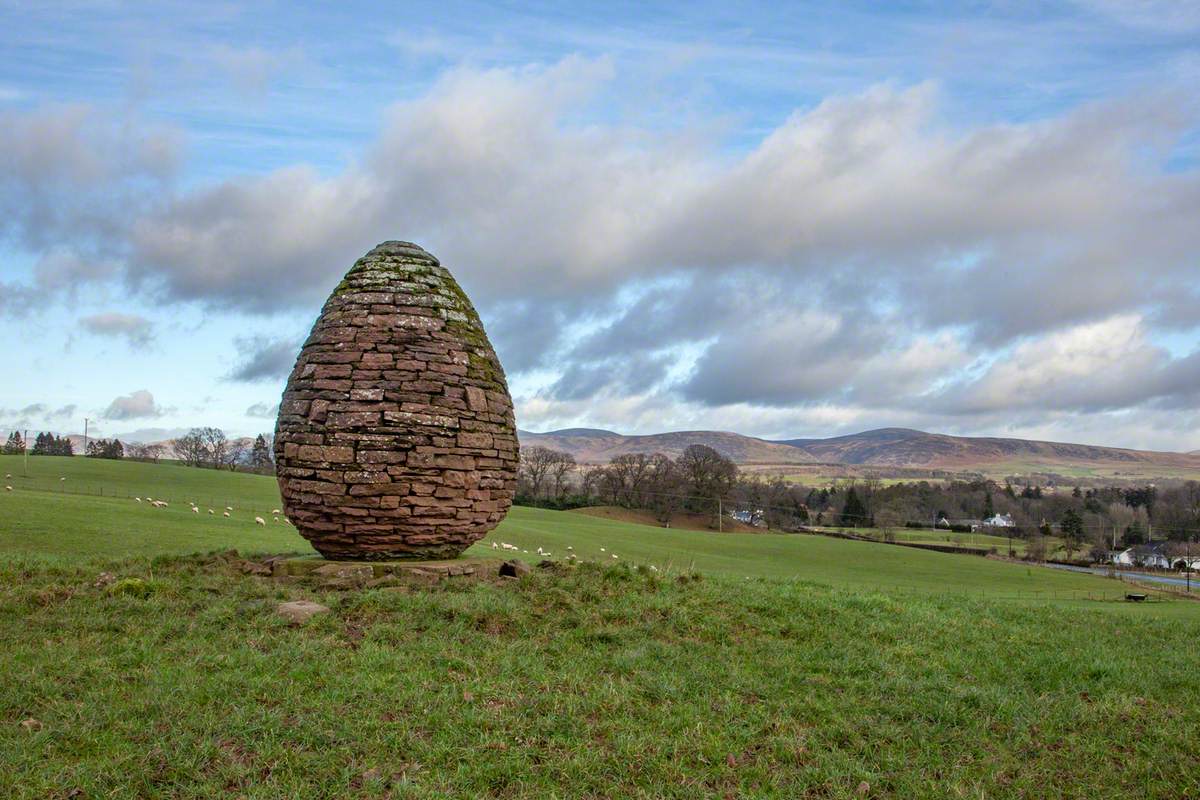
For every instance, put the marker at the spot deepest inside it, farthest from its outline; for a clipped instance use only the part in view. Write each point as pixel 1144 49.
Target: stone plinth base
pixel 315 566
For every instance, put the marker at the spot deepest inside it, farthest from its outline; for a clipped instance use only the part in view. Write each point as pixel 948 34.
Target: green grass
pixel 976 539
pixel 602 682
pixel 56 524
pixel 748 665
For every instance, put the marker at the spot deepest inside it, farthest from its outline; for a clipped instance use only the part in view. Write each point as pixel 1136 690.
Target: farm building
pixel 1156 555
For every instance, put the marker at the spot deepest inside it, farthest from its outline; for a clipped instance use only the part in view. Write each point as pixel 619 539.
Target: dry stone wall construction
pixel 396 436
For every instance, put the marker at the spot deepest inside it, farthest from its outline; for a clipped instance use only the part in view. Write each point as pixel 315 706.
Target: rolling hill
pixel 903 447
pixel 594 446
pixel 888 448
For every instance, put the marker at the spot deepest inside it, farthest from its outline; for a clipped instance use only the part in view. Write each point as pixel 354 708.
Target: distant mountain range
pixel 883 448
pixel 594 446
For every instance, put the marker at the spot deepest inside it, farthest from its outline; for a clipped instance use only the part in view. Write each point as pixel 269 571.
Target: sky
pixel 781 219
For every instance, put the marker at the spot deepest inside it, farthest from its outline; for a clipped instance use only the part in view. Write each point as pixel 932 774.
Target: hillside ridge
pixel 880 447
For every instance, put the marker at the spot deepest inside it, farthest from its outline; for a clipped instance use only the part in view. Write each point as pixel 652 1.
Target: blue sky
pixel 780 219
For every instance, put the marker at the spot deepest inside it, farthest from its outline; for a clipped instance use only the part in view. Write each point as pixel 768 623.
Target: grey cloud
pixel 488 171
pixel 136 330
pixel 262 358
pixel 136 405
pixel 631 374
pixel 76 174
pixel 854 257
pixel 263 411
pixel 1104 366
pixel 63 412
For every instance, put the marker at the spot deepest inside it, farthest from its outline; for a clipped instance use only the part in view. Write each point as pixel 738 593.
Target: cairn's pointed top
pixel 406 250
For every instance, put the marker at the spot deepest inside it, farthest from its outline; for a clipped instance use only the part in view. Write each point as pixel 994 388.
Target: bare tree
pixel 664 495
pixel 560 468
pixel 707 474
pixel 537 465
pixel 234 454
pixel 216 446
pixel 190 448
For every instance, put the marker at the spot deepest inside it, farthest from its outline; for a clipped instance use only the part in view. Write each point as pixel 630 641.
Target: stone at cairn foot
pixel 299 612
pixel 396 437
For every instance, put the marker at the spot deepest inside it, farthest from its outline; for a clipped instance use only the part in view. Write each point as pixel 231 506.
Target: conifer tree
pixel 854 513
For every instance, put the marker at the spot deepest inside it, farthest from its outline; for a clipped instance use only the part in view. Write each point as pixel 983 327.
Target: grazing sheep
pixel 260 521
pixel 8 476
pixel 225 514
pixel 8 488
pixel 614 555
pixel 62 479
pixel 229 508
pixel 601 549
pixel 138 499
pixel 495 546
pixel 149 499
pixel 277 519
pixel 195 510
pixel 210 511
pixel 276 511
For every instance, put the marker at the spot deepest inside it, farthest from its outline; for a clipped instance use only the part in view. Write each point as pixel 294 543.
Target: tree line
pixel 699 480
pixel 210 448
pixel 702 479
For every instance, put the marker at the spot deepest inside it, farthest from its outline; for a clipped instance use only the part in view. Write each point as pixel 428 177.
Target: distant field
pixel 986 541
pixel 685 521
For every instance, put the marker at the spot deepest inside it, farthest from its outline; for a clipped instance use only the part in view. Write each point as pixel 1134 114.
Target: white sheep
pixel 8 476
pixel 149 499
pixel 495 546
pixel 195 510
pixel 601 549
pixel 210 511
pixel 225 514
pixel 260 521
pixel 62 479
pixel 138 499
pixel 277 519
pixel 229 508
pixel 276 511
pixel 614 555
pixel 8 488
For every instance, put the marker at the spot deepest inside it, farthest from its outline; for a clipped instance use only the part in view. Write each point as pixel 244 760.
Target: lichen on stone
pixel 396 436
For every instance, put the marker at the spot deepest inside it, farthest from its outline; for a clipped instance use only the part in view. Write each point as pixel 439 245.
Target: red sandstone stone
pixel 396 436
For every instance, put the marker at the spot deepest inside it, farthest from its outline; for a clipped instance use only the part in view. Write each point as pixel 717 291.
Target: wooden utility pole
pixel 720 516
pixel 85 435
pixel 25 442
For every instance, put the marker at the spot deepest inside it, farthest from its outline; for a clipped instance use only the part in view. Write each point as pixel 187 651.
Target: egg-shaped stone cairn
pixel 396 437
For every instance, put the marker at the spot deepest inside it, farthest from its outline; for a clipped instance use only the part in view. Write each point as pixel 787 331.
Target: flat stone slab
pixel 299 612
pixel 443 568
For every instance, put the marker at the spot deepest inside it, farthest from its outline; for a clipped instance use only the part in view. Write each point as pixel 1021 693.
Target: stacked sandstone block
pixel 396 436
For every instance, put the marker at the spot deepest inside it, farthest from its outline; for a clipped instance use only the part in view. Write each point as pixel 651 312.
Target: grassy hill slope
pixel 602 682
pixel 787 666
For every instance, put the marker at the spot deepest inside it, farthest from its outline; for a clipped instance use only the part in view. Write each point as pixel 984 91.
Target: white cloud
pixel 136 405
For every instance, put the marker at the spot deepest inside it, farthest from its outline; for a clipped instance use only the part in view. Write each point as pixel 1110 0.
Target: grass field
pixel 985 541
pixel 749 665
pixel 48 521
